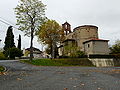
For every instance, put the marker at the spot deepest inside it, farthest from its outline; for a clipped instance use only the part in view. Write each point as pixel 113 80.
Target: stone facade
pixel 80 35
pixel 83 33
pixel 96 46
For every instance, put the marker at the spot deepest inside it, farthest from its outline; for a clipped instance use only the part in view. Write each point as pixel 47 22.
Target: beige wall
pixel 83 34
pixel 88 50
pixel 96 47
pixel 60 51
pixel 69 36
pixel 100 47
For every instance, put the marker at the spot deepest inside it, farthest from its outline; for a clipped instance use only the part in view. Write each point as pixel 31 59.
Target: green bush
pixel 80 54
pixel 2 56
pixel 2 68
pixel 13 52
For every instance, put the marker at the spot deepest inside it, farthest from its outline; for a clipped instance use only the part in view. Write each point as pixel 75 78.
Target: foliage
pixel 50 33
pixel 75 61
pixel 44 62
pixel 14 52
pixel 30 14
pixel 2 68
pixel 61 62
pixel 9 40
pixel 70 49
pixel 19 42
pixel 80 54
pixel 48 50
pixel 27 53
pixel 2 56
pixel 115 49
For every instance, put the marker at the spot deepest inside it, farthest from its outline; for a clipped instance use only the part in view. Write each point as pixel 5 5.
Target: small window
pixel 88 45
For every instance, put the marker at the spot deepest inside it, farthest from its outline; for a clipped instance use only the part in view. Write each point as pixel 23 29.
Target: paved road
pixel 22 76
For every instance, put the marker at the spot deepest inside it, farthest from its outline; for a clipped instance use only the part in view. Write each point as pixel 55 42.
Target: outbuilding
pixel 96 47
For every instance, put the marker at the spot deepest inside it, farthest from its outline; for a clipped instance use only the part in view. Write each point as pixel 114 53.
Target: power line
pixel 7 20
pixel 7 23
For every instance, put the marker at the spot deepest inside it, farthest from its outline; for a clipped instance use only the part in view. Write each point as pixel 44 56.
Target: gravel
pixel 21 76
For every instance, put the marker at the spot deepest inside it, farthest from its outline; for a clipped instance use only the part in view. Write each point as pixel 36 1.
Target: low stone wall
pixel 105 62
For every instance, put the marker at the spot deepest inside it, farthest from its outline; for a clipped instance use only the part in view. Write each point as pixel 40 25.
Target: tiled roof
pixel 95 39
pixel 69 40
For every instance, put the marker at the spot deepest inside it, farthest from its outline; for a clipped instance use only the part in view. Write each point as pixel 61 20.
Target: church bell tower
pixel 66 27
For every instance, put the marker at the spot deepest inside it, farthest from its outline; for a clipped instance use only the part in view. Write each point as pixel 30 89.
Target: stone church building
pixel 83 38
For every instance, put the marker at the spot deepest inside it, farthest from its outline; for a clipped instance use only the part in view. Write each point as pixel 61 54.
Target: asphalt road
pixel 20 76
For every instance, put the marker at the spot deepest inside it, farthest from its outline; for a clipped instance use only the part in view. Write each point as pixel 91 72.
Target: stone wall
pixel 99 47
pixel 105 62
pixel 84 33
pixel 102 62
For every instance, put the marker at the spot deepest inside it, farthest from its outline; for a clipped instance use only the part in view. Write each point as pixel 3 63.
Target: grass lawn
pixel 1 69
pixel 60 62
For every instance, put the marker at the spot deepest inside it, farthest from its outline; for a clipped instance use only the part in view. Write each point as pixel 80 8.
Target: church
pixel 83 38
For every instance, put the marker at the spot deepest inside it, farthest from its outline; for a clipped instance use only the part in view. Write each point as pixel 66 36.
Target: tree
pixel 19 42
pixel 115 49
pixel 50 33
pixel 9 40
pixel 15 52
pixel 30 14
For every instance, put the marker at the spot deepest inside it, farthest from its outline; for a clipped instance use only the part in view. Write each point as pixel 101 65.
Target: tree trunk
pixel 53 49
pixel 31 46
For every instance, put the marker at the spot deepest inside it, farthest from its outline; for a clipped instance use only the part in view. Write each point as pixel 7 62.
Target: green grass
pixel 1 69
pixel 61 62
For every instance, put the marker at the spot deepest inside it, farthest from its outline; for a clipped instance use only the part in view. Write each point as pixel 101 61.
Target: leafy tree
pixel 48 50
pixel 19 42
pixel 30 14
pixel 70 50
pixel 9 40
pixel 115 49
pixel 15 52
pixel 50 33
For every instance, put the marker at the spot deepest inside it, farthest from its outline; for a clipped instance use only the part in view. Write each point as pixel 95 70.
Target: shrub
pixel 15 52
pixel 2 68
pixel 2 56
pixel 80 54
pixel 75 61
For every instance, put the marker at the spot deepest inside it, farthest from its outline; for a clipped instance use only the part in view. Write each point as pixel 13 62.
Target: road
pixel 21 76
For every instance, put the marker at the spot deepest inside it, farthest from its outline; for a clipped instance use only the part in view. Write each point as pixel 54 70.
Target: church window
pixel 88 45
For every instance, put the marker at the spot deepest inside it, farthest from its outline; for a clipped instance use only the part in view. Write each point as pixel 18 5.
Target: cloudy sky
pixel 103 13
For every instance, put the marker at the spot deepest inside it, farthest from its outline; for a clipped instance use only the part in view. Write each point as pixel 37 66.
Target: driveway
pixel 22 76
